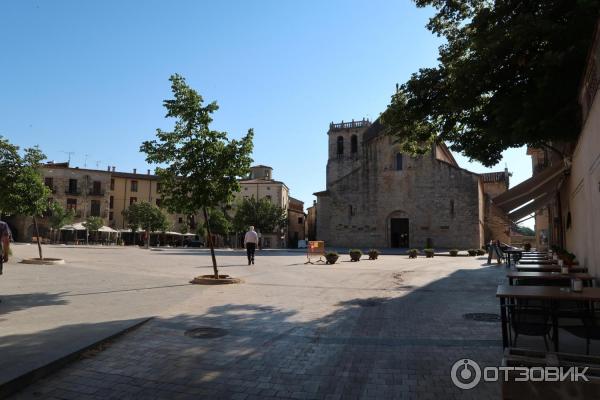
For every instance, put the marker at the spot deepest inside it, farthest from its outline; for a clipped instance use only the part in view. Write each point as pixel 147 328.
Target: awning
pixel 537 190
pixel 107 229
pixel 74 227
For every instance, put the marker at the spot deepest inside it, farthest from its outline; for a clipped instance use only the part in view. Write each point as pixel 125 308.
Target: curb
pixel 15 385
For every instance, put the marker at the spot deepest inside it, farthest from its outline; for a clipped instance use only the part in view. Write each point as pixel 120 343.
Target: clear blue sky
pixel 90 77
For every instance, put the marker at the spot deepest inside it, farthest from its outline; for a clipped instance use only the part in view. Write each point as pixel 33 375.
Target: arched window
pixel 353 144
pixel 398 161
pixel 340 145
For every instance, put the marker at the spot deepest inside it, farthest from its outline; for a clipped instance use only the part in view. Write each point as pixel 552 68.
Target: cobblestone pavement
pixel 390 328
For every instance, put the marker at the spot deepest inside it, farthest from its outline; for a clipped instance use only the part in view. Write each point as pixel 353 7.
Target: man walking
pixel 5 236
pixel 250 242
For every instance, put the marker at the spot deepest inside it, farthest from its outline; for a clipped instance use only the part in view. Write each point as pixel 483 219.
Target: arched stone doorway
pixel 398 229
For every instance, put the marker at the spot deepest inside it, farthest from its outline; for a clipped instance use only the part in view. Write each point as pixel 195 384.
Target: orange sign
pixel 315 248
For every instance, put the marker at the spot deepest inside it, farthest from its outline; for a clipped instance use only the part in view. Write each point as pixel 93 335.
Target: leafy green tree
pixel 265 216
pixel 202 165
pixel 508 76
pixel 24 192
pixel 92 224
pixel 59 217
pixel 146 216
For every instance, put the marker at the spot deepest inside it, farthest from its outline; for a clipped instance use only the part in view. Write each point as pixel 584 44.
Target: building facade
pixel 106 194
pixel 376 196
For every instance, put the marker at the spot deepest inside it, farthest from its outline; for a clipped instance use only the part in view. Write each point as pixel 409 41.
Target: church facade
pixel 376 196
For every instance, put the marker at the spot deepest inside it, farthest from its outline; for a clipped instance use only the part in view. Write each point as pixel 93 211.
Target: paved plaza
pixel 390 328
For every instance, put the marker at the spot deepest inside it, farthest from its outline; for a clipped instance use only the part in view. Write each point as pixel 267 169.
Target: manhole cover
pixel 482 317
pixel 205 333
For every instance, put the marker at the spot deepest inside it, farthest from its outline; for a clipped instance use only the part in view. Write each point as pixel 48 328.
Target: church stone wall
pixel 440 200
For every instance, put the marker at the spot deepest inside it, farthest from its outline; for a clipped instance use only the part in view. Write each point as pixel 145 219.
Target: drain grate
pixel 206 332
pixel 482 317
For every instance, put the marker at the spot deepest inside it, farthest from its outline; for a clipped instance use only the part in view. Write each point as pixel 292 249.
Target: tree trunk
pixel 147 239
pixel 37 234
pixel 210 243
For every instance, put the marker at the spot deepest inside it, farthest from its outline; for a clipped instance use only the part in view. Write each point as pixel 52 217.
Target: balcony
pixel 96 192
pixel 73 192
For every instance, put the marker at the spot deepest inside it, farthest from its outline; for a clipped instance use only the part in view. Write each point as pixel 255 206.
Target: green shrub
pixel 480 252
pixel 331 258
pixel 454 252
pixel 428 252
pixel 472 252
pixel 373 254
pixel 412 253
pixel 355 254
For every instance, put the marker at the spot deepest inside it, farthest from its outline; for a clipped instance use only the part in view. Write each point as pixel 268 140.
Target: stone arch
pixel 340 145
pixel 353 144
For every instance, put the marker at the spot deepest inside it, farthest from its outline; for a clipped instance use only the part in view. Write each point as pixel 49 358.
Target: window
pixel 340 145
pixel 158 186
pixel 158 202
pixel 49 182
pixel 112 184
pixel 111 202
pixel 452 208
pixel 72 204
pixel 111 216
pixel 300 220
pixel 97 187
pixel 72 186
pixel 134 186
pixel 353 144
pixel 180 220
pixel 95 208
pixel 398 161
pixel 132 200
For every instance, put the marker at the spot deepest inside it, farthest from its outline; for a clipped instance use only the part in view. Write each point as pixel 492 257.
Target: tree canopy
pixel 59 217
pixel 146 216
pixel 508 76
pixel 23 190
pixel 265 216
pixel 198 167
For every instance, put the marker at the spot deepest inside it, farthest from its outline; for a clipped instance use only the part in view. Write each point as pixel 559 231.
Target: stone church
pixel 378 197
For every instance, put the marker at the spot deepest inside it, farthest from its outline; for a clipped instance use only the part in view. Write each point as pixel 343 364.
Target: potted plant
pixel 355 254
pixel 527 246
pixel 480 252
pixel 412 253
pixel 568 258
pixel 428 252
pixel 454 252
pixel 472 252
pixel 331 257
pixel 373 254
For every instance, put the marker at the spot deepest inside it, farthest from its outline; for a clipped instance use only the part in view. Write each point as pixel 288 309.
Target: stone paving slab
pixel 390 328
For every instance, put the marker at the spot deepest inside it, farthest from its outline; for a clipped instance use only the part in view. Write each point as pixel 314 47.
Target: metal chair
pixel 589 329
pixel 530 318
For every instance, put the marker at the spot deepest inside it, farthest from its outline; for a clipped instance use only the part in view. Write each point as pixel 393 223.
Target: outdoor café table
pixel 553 294
pixel 537 261
pixel 549 276
pixel 546 268
pixel 513 253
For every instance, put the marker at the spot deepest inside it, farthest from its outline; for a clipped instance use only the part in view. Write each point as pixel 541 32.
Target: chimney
pixel 113 168
pixel 135 171
pixel 148 172
pixel 108 168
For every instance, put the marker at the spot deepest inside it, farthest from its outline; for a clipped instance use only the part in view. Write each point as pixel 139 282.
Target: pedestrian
pixel 5 236
pixel 491 251
pixel 250 242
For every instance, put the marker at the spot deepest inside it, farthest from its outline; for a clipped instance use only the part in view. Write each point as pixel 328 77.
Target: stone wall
pixel 440 200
